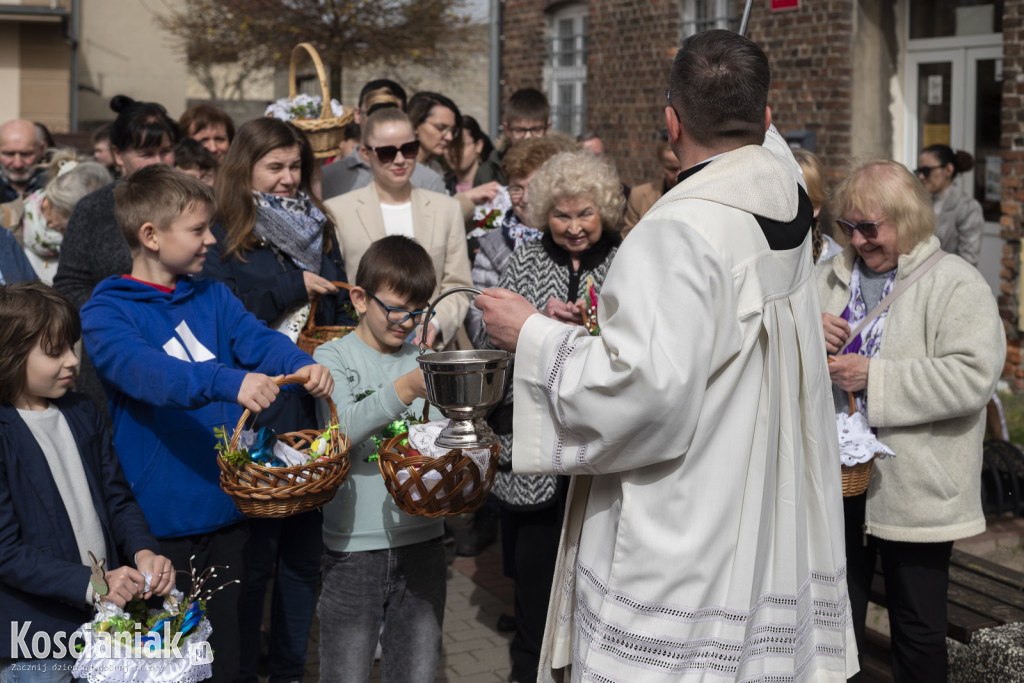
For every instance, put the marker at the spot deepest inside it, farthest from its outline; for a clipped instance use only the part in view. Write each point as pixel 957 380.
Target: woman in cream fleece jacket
pixel 922 373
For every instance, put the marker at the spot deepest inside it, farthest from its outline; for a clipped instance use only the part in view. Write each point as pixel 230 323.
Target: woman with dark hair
pixel 464 159
pixel 93 248
pixel 959 221
pixel 276 250
pixel 436 122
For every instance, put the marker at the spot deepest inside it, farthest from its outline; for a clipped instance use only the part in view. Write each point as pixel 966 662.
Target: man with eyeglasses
pixel 704 532
pixel 527 115
pixel 352 172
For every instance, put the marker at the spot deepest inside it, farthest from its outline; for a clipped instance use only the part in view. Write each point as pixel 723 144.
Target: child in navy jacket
pixel 177 358
pixel 62 494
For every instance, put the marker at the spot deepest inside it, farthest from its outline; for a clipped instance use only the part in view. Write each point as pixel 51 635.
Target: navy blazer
pixel 42 578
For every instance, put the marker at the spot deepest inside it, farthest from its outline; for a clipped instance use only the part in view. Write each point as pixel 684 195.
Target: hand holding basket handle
pixel 258 391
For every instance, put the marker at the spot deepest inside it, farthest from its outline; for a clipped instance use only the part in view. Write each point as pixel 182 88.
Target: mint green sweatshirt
pixel 362 515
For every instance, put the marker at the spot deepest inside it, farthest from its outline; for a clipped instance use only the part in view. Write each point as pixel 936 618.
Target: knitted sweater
pixel 538 271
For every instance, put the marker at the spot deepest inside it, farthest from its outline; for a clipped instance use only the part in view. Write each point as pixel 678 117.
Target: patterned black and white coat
pixel 540 270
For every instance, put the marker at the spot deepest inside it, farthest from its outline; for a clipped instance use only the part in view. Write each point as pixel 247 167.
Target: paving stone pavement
pixel 473 651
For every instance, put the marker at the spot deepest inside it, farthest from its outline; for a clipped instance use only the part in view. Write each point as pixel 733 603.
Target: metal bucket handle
pixel 430 311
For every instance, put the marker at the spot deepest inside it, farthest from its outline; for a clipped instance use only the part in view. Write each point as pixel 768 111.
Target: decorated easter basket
pixel 324 133
pixel 261 491
pixel 857 477
pixel 314 335
pixel 423 486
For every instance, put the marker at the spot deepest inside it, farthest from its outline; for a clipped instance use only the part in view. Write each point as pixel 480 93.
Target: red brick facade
pixel 631 44
pixel 1013 190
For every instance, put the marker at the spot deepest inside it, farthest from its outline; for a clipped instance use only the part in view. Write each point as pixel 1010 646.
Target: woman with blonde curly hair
pixel 576 201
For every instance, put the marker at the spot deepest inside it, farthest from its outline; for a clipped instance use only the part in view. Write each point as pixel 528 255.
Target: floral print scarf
pixel 869 341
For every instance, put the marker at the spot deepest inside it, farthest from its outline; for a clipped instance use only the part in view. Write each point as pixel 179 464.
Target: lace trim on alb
pixel 795 641
pixel 563 352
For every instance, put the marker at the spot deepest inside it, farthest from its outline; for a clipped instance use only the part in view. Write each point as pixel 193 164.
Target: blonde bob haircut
pixel 814 176
pixel 885 189
pixel 573 175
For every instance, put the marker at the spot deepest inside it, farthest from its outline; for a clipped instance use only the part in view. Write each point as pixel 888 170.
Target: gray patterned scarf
pixel 295 226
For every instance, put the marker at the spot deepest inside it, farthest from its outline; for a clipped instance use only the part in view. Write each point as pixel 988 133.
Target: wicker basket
pixel 260 491
pixel 325 133
pixel 460 488
pixel 314 335
pixel 857 477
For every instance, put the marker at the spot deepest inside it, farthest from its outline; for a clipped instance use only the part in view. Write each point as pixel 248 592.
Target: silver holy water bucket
pixel 465 386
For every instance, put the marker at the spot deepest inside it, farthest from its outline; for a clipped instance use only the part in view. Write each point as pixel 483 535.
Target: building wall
pixel 1013 188
pixel 45 75
pixel 124 51
pixel 10 71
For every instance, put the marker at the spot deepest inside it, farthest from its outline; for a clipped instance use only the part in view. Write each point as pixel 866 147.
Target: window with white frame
pixel 567 69
pixel 701 15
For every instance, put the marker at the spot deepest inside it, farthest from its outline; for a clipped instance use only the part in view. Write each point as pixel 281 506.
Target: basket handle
pixel 325 91
pixel 281 381
pixel 310 323
pixel 849 394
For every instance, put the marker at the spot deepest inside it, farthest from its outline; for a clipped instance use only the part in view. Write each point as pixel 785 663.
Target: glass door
pixel 954 97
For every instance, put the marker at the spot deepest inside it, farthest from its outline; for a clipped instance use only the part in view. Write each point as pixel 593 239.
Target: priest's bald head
pixel 718 96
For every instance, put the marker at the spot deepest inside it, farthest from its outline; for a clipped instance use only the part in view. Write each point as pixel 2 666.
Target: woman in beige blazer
pixel 390 205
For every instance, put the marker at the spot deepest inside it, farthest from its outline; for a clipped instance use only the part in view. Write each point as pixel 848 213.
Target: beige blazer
pixel 437 225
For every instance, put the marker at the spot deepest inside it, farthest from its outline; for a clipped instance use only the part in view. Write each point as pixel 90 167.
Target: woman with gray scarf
pixel 276 251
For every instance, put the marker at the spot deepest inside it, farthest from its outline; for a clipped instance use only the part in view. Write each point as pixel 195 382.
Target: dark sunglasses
pixel 387 153
pixel 867 228
pixel 925 171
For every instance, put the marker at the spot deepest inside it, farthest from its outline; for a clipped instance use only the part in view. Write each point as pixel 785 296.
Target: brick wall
pixel 1013 190
pixel 631 46
pixel 809 52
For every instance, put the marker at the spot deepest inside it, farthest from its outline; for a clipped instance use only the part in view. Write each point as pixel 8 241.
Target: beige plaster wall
pixel 10 68
pixel 124 51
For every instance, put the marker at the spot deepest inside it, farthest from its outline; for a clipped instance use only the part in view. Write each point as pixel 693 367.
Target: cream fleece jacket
pixel 943 349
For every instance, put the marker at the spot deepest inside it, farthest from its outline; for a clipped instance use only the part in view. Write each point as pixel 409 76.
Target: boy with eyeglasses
pixel 527 115
pixel 380 564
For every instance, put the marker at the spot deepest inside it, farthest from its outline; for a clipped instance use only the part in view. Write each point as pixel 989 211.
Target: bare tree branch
pixel 346 33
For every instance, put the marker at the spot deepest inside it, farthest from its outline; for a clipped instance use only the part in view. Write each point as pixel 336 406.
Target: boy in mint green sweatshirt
pixel 380 563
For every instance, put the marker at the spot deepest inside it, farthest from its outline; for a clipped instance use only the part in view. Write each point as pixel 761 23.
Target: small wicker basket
pixel 325 133
pixel 857 477
pixel 314 335
pixel 461 487
pixel 260 491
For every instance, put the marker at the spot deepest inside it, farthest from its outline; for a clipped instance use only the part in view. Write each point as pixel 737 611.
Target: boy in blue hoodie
pixel 177 358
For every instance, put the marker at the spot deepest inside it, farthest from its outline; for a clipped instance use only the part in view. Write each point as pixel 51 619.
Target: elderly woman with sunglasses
pixel 959 220
pixel 390 205
pixel 921 372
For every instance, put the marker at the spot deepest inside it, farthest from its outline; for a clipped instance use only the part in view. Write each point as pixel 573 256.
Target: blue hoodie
pixel 172 365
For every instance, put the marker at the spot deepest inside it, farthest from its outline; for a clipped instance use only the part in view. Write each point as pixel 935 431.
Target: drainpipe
pixel 74 27
pixel 494 87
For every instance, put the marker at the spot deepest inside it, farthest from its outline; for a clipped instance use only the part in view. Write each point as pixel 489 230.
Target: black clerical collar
pixel 692 170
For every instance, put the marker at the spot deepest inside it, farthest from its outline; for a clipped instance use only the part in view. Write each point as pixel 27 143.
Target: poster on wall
pixel 778 5
pixel 993 178
pixel 934 134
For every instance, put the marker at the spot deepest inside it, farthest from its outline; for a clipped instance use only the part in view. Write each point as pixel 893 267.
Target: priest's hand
pixel 836 331
pixel 505 313
pixel 849 371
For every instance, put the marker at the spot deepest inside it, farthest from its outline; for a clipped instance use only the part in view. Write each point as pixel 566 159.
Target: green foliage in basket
pixel 236 457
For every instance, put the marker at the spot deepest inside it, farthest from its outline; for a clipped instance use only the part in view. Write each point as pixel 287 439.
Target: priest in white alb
pixel 703 537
